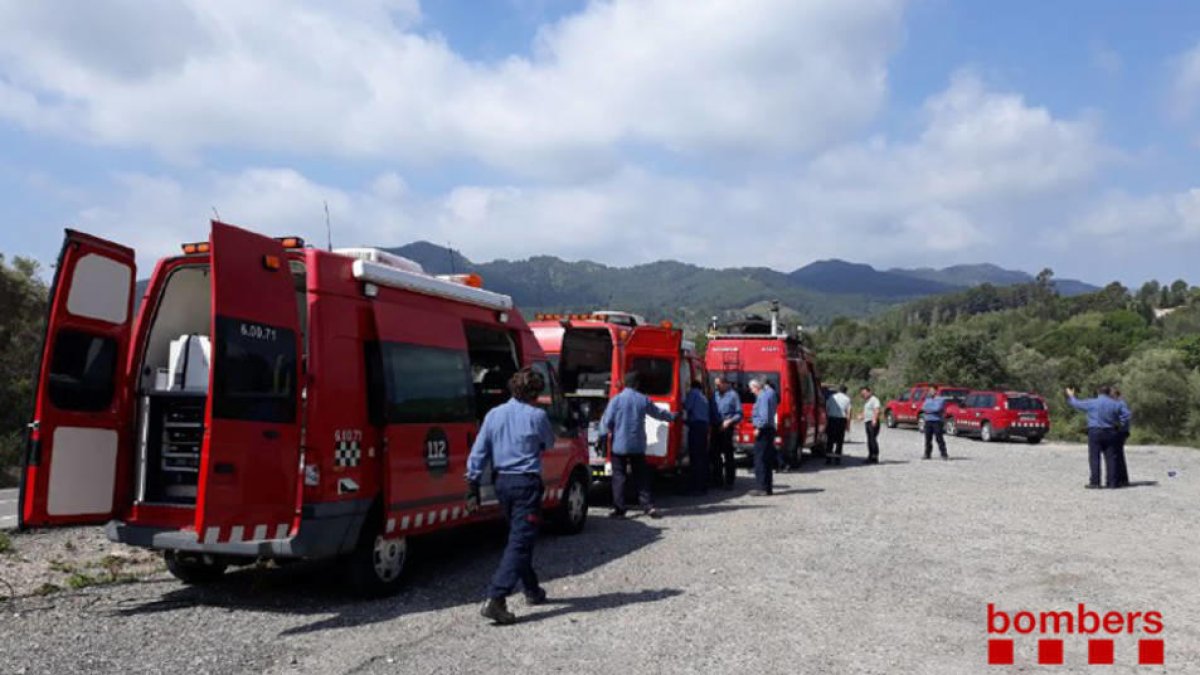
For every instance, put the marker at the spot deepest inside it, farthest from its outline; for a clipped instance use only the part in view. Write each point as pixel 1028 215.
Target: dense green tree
pixel 22 315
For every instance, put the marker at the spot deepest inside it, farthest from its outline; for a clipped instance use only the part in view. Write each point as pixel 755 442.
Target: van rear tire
pixel 1034 440
pixel 375 569
pixel 571 514
pixel 889 419
pixel 193 569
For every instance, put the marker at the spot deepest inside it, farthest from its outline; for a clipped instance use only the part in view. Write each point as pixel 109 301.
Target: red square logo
pixel 1000 652
pixel 1050 652
pixel 1100 652
pixel 1150 652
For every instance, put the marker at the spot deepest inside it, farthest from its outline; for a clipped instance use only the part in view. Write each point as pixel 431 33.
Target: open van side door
pixel 77 459
pixel 250 460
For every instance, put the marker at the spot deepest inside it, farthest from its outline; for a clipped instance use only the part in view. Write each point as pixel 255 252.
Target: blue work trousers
pixel 520 498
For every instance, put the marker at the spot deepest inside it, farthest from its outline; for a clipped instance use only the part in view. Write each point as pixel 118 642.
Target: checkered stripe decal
pixel 347 453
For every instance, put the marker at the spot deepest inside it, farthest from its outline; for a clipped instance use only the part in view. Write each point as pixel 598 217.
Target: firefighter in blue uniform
pixel 625 421
pixel 1107 418
pixel 932 411
pixel 727 406
pixel 763 418
pixel 696 407
pixel 514 436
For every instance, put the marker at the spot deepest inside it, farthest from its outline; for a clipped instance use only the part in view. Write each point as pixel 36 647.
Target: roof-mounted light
pixel 195 248
pixel 291 242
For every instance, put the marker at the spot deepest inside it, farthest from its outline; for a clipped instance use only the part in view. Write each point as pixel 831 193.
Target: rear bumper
pixel 1026 431
pixel 326 530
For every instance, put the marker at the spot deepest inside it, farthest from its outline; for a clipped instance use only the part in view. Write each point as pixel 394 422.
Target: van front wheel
pixel 571 515
pixel 193 569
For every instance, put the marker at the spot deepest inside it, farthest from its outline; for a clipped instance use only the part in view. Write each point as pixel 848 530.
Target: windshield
pixel 1025 403
pixel 740 380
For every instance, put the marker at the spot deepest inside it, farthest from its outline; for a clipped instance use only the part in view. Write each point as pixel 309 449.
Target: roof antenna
pixel 217 214
pixel 450 252
pixel 328 227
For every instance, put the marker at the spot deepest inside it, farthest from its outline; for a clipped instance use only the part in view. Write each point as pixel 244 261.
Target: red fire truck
pixel 758 348
pixel 594 351
pixel 275 401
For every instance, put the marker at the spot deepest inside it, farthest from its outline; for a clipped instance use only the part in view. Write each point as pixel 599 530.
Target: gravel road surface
pixel 851 569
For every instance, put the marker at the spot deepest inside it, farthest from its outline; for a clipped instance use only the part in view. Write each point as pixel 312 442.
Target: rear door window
pixel 255 371
pixel 1026 403
pixel 82 370
pixel 657 375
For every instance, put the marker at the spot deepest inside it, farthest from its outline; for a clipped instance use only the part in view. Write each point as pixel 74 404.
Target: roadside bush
pixel 1159 389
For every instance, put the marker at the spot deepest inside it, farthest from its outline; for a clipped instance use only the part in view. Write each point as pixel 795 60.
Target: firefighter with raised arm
pixel 514 436
pixel 624 420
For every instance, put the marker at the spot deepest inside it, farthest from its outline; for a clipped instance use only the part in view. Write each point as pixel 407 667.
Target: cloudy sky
pixel 758 132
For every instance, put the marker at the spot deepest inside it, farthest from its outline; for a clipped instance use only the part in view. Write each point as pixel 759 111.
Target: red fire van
pixel 594 351
pixel 760 348
pixel 275 401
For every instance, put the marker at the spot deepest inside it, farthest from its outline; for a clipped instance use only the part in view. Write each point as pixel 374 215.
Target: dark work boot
pixel 535 597
pixel 496 609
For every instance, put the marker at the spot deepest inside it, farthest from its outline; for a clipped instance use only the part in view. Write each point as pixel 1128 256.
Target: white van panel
pixel 100 289
pixel 657 433
pixel 83 473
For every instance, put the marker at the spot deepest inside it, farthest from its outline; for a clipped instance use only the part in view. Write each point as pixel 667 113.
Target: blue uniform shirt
pixel 695 404
pixel 729 405
pixel 514 436
pixel 934 408
pixel 625 420
pixel 763 414
pixel 1103 412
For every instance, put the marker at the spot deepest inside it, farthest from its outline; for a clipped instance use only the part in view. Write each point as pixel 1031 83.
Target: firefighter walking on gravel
pixel 514 436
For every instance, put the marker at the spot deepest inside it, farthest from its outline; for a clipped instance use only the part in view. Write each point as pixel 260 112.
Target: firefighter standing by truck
pixel 728 414
pixel 933 410
pixel 625 421
pixel 696 406
pixel 763 417
pixel 514 436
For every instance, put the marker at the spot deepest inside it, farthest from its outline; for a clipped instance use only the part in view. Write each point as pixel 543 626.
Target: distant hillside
pixel 966 276
pixel 841 277
pixel 815 293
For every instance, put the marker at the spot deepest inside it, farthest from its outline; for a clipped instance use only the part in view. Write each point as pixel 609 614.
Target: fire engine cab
pixel 593 352
pixel 758 348
pixel 275 401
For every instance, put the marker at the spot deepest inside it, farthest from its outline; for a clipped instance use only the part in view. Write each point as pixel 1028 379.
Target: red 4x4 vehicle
pixel 996 415
pixel 906 409
pixel 275 401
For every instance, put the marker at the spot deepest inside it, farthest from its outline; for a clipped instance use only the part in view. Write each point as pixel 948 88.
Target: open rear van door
pixel 655 354
pixel 77 458
pixel 250 460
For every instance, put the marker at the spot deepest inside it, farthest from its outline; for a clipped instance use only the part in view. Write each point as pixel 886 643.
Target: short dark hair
pixel 866 388
pixel 697 384
pixel 526 384
pixel 633 380
pixel 1105 390
pixel 842 388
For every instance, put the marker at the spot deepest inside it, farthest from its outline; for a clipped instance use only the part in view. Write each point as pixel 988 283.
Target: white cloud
pixel 1185 84
pixel 954 190
pixel 361 80
pixel 1123 220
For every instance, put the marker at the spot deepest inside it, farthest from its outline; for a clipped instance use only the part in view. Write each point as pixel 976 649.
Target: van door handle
pixel 223 468
pixel 270 434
